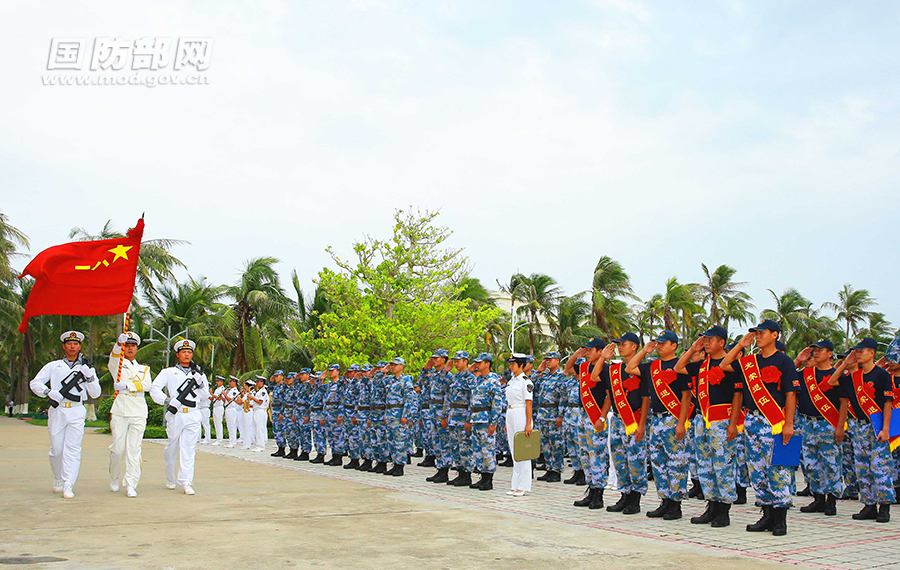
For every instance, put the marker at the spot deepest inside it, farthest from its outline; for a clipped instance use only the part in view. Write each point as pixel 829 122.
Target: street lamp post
pixel 168 337
pixel 512 334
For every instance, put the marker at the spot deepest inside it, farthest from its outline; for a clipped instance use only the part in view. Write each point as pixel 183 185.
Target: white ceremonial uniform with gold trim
pixel 129 418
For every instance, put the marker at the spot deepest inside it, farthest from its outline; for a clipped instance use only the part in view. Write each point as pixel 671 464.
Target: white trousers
pixel 521 476
pixel 261 424
pixel 184 433
pixel 204 423
pixel 127 437
pixel 233 420
pixel 247 429
pixel 218 413
pixel 66 427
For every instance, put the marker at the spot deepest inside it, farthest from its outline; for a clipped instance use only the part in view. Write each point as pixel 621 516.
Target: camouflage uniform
pixel 571 401
pixel 484 408
pixel 380 442
pixel 820 452
pixel 352 427
pixel 439 391
pixel 629 457
pixel 276 393
pixel 425 425
pixel 334 410
pixel 364 416
pixel 400 403
pixel 456 409
pixel 318 432
pixel 549 397
pixel 289 411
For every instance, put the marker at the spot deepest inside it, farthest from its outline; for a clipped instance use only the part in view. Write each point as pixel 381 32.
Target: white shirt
pixel 51 377
pixel 171 380
pixel 231 394
pixel 518 390
pixel 130 402
pixel 261 394
pixel 218 394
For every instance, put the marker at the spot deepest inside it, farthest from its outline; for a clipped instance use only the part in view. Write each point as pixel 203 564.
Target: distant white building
pixel 504 303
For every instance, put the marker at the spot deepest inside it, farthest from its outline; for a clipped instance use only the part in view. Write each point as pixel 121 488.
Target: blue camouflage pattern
pixel 669 458
pixel 771 483
pixel 629 458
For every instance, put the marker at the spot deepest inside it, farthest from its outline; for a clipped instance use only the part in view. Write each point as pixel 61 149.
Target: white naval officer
pixel 128 418
pixel 67 382
pixel 218 411
pixel 233 412
pixel 259 403
pixel 518 418
pixel 183 384
pixel 204 400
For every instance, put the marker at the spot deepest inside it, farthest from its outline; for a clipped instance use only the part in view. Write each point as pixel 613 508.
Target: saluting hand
pixel 650 346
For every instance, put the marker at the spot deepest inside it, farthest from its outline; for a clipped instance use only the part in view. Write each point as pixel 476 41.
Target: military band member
pixel 204 402
pixel 248 433
pixel 259 403
pixel 770 385
pixel 128 418
pixel 183 383
pixel 218 411
pixel 232 409
pixel 670 407
pixel 68 382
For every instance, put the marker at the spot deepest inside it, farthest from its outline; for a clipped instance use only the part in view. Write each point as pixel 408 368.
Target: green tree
pixel 572 326
pixel 678 304
pixel 538 295
pixel 611 290
pixel 724 296
pixel 851 308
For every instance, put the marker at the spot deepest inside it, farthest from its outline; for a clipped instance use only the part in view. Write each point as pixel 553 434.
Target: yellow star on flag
pixel 120 251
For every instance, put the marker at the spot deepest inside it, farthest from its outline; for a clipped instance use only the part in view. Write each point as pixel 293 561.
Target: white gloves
pixel 55 396
pixel 121 386
pixel 90 375
pixel 122 338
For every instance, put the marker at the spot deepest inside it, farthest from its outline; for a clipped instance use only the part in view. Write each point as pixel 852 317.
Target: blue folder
pixel 787 455
pixel 878 422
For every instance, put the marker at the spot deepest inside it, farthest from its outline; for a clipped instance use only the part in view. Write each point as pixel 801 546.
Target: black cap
pixel 767 325
pixel 780 346
pixel 716 330
pixel 823 343
pixel 595 343
pixel 866 343
pixel 629 336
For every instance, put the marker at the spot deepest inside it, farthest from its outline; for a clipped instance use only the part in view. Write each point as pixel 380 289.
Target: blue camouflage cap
pixel 484 357
pixel 290 374
pixel 552 354
pixel 278 373
pixel 398 360
pixel 381 364
pixel 305 371
pixel 354 368
pixel 334 367
pixel 440 353
pixel 367 367
pixel 461 355
pixel 529 358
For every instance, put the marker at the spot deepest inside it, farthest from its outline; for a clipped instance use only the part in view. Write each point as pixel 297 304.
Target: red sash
pixel 761 395
pixel 588 402
pixel 717 412
pixel 819 400
pixel 864 396
pixel 669 399
pixel 620 398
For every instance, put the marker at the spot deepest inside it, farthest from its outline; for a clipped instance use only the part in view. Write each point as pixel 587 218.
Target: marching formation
pixel 707 421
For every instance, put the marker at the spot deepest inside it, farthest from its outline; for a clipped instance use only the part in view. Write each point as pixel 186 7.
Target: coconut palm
pixel 538 294
pixel 851 308
pixel 721 292
pixel 11 239
pixel 647 319
pixel 572 328
pixel 878 328
pixel 678 304
pixel 611 288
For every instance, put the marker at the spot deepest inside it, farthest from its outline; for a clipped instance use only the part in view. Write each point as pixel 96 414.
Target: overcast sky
pixel 763 135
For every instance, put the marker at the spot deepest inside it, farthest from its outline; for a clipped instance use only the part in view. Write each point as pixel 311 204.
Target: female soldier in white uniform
pixel 518 418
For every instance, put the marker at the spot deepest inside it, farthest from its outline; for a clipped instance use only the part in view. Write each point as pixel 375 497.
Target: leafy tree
pixel 611 289
pixel 538 295
pixel 851 308
pixel 571 325
pixel 724 296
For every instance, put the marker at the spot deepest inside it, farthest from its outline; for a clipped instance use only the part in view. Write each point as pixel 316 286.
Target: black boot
pixel 696 490
pixel 304 456
pixel 464 479
pixel 597 502
pixel 354 463
pixel 541 463
pixel 441 475
pixel 477 484
pixel 674 512
pixel 620 504
pixel 659 511
pixel 397 471
pixel 741 495
pixel 817 506
pixel 486 483
pixel 508 462
pixel 320 458
pixel 292 454
pixel 722 518
pixel 830 505
pixel 884 513
pixel 633 506
pixel 708 515
pixel 582 480
pixel 280 452
pixel 897 495
pixel 336 460
pixel 805 492
pixel 779 522
pixel 868 513
pixel 428 462
pixel 764 523
pixel 365 466
pixel 419 452
pixel 587 499
pixel 574 478
pixel 381 467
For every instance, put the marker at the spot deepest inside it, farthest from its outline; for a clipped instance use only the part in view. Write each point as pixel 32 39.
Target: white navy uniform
pixel 66 421
pixel 128 420
pixel 183 426
pixel 260 418
pixel 233 414
pixel 518 390
pixel 203 402
pixel 247 431
pixel 218 413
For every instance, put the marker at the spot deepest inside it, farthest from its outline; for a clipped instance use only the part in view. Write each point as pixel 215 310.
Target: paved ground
pixel 252 510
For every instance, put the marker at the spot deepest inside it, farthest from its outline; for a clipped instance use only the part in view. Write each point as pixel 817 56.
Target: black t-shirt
pixel 599 389
pixel 878 379
pixel 721 392
pixel 833 393
pixel 680 385
pixel 780 367
pixel 634 387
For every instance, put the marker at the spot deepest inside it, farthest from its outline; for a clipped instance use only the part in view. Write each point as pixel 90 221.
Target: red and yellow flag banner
pixel 86 278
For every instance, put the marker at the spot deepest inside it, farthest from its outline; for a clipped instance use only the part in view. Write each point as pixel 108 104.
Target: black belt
pixel 332 403
pixel 811 417
pixel 480 409
pixel 433 401
pixel 393 406
pixel 377 407
pixel 316 409
pixel 553 405
pixel 347 407
pixel 425 407
pixel 573 405
pixel 459 406
pixel 289 406
pixel 363 408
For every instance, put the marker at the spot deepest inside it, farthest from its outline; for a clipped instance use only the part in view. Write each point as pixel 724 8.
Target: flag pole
pixel 122 354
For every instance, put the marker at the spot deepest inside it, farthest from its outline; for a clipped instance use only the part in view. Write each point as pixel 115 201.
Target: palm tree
pixel 538 294
pixel 721 292
pixel 258 297
pixel 878 328
pixel 571 327
pixel 11 239
pixel 155 263
pixel 791 311
pixel 851 308
pixel 647 319
pixel 678 303
pixel 471 290
pixel 611 286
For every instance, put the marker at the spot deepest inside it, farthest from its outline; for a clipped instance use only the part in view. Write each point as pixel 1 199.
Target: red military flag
pixel 86 278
